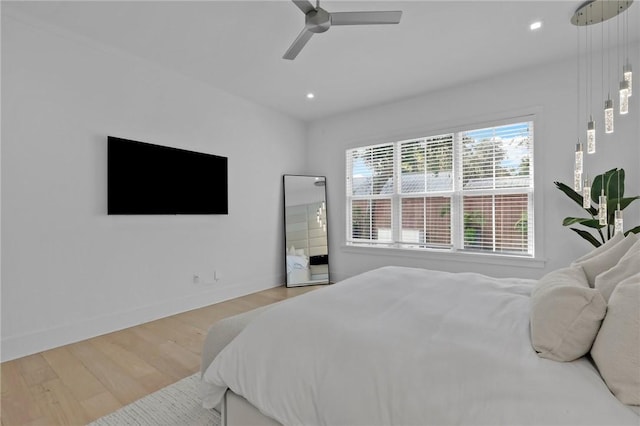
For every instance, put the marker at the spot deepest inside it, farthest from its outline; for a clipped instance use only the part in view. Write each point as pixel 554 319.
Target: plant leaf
pixel 612 206
pixel 612 179
pixel 624 202
pixel 587 236
pixel 635 230
pixel 591 223
pixel 574 196
pixel 613 184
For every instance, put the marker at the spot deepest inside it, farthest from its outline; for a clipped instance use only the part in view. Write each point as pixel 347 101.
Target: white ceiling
pixel 238 45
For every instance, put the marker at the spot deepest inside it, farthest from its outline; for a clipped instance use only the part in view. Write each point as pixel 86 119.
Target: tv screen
pixel 151 179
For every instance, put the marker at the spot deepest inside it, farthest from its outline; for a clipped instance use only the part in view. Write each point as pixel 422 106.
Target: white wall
pixel 550 91
pixel 69 270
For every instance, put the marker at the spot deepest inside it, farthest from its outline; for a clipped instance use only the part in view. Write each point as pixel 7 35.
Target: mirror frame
pixel 284 193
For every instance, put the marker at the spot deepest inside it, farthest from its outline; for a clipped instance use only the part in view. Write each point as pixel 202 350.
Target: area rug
pixel 177 404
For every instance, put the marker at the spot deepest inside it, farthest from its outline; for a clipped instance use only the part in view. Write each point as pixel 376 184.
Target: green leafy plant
pixel 473 221
pixel 613 183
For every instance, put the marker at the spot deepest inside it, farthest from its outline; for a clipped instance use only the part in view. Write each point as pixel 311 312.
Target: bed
pixel 401 346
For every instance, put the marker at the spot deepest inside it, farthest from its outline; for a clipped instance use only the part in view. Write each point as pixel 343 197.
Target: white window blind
pixel 497 188
pixel 467 190
pixel 370 192
pixel 426 188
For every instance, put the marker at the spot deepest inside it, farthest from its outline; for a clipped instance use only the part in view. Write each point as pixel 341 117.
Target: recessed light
pixel 535 26
pixel 310 95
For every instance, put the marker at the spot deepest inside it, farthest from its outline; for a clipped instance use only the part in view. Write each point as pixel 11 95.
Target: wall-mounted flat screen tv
pixel 151 179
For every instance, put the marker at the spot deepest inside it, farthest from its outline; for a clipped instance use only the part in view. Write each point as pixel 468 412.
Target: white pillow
pixel 607 259
pixel 565 314
pixel 629 265
pixel 604 247
pixel 616 350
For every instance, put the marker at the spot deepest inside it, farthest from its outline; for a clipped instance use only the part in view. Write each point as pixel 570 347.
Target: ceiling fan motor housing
pixel 318 20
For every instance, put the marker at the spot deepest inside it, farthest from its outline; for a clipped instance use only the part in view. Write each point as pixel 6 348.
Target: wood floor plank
pixel 36 370
pixel 187 359
pixel 73 373
pixel 205 317
pixel 58 404
pixel 16 399
pixel 150 353
pixel 185 335
pixel 134 365
pixel 262 298
pixel 41 421
pixel 181 359
pixel 11 376
pixel 122 386
pixel 155 381
pixel 100 405
pixel 18 409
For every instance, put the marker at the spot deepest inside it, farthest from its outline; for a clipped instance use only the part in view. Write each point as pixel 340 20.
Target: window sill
pixel 446 255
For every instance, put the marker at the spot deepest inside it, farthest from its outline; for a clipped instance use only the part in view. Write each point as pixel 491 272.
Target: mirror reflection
pixel 305 223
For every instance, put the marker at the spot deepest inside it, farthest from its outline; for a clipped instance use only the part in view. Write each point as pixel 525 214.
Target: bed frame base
pixel 237 411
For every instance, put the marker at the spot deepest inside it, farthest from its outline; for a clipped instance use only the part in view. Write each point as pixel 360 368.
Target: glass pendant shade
pixel 628 76
pixel 591 136
pixel 602 209
pixel 618 223
pixel 577 170
pixel 579 158
pixel 624 97
pixel 608 116
pixel 586 194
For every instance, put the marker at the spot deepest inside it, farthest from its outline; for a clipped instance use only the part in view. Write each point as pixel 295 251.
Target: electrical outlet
pixel 196 279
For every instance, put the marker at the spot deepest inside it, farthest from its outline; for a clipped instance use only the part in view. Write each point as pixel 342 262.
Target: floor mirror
pixel 305 225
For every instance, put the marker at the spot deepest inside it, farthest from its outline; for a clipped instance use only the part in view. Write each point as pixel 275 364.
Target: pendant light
pixel 608 103
pixel 586 193
pixel 591 136
pixel 577 171
pixel 624 97
pixel 608 115
pixel 618 223
pixel 579 155
pixel 590 13
pixel 624 84
pixel 591 124
pixel 602 206
pixel 628 76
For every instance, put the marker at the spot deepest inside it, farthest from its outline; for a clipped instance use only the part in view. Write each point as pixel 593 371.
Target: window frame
pixel 532 257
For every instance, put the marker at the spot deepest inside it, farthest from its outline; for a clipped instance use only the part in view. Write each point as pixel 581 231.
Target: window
pixel 468 190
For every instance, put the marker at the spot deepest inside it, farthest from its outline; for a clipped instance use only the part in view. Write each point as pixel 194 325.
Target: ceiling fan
pixel 318 20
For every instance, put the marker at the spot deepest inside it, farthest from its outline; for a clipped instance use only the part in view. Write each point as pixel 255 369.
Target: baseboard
pixel 22 345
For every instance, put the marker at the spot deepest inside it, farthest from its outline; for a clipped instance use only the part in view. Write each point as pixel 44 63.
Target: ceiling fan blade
pixel 304 5
pixel 298 44
pixel 365 18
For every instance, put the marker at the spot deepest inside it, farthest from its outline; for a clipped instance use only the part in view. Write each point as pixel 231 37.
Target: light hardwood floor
pixel 78 383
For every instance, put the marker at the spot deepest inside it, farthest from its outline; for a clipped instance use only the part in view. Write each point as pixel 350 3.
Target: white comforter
pixel 409 347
